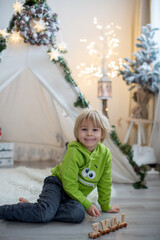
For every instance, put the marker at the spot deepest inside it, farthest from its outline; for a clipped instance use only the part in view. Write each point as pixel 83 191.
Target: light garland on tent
pixel 56 57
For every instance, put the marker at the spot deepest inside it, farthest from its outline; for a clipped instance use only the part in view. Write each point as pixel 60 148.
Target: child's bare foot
pixel 23 200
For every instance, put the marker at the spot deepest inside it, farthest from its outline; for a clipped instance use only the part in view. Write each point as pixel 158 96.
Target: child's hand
pixel 114 209
pixel 93 211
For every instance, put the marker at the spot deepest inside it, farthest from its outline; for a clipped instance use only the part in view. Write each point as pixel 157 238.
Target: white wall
pixel 76 19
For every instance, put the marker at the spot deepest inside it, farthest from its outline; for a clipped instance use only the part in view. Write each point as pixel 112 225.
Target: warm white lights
pixel 39 26
pixel 83 40
pixel 4 33
pixel 15 37
pixel 94 20
pixel 102 52
pixel 99 27
pixel 54 54
pixel 18 7
pixel 62 47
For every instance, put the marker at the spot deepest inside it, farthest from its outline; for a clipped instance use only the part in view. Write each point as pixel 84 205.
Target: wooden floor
pixel 142 209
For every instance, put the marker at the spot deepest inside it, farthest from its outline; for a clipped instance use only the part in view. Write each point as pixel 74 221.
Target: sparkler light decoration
pixel 103 54
pixel 102 65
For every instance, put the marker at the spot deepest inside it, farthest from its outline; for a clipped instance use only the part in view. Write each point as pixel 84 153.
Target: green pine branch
pixel 33 2
pixel 127 150
pixel 80 102
pixel 3 44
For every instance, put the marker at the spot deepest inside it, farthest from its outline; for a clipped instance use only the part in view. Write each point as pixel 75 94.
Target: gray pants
pixel 53 205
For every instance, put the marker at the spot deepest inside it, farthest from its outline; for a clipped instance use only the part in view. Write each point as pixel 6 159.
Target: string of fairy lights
pixel 101 54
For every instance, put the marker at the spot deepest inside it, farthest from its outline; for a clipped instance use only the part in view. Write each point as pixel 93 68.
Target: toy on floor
pixel 114 225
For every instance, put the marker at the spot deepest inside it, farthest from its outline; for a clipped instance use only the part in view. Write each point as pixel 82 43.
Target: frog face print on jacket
pixel 87 175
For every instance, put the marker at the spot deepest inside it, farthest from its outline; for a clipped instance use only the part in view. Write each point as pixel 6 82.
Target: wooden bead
pixel 107 231
pixel 125 224
pixel 98 234
pixel 113 229
pixel 117 226
pixel 121 225
pixel 92 235
pixel 103 232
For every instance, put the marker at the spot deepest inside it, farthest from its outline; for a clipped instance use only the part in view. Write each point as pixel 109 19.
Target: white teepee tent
pixel 36 103
pixel 37 111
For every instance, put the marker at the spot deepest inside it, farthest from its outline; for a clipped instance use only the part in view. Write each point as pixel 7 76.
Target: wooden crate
pixel 6 154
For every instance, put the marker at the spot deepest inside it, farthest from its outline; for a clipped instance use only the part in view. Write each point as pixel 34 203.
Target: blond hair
pixel 98 119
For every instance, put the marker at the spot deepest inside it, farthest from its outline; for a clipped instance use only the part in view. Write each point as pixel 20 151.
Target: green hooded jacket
pixel 81 171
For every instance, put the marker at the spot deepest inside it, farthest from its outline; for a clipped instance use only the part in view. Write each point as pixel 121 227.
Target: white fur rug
pixel 26 182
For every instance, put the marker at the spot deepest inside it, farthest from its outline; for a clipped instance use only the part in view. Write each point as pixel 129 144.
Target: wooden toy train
pixel 106 229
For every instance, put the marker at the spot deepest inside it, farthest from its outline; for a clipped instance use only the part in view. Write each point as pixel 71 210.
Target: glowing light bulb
pixel 4 33
pixel 39 26
pixel 15 37
pixel 18 7
pixel 99 27
pixel 94 20
pixel 83 40
pixel 62 46
pixel 101 38
pixel 54 54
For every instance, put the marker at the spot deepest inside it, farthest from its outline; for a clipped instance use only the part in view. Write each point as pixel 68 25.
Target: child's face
pixel 89 135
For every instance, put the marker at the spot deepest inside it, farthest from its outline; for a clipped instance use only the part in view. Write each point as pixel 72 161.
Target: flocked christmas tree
pixel 144 70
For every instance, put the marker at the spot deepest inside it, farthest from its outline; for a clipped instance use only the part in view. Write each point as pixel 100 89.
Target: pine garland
pixel 3 44
pixel 127 150
pixel 33 2
pixel 80 102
